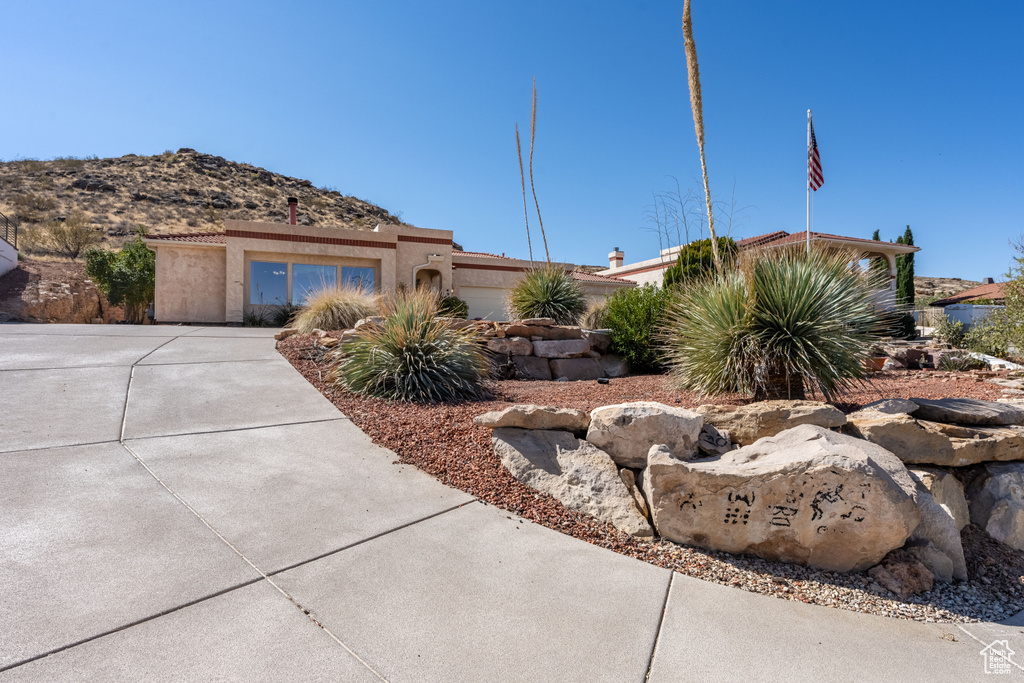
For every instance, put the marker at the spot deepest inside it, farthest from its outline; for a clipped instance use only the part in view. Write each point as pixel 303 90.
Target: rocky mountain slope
pixel 185 191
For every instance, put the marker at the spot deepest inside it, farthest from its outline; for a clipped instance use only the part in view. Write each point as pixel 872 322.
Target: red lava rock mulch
pixel 443 441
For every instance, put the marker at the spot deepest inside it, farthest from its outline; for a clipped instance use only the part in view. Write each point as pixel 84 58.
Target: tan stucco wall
pixel 189 283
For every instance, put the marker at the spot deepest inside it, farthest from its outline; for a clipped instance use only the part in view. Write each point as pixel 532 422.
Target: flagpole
pixel 808 181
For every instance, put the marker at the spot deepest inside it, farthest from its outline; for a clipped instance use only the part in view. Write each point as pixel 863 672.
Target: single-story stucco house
pixel 653 270
pixel 217 277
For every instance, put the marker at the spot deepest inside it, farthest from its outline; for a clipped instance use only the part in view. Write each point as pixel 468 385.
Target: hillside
pixel 941 287
pixel 172 192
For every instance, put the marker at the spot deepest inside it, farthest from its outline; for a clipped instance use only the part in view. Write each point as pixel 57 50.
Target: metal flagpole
pixel 808 181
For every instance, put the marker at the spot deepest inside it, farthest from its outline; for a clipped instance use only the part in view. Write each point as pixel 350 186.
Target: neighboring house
pixel 218 277
pixel 971 306
pixel 653 270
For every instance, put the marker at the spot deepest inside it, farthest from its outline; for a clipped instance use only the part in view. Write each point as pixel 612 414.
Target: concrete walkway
pixel 177 503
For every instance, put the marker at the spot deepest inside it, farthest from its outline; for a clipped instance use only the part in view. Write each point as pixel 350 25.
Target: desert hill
pixel 185 191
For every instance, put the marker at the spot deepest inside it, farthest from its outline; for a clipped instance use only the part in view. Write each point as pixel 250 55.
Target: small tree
pixel 878 264
pixel 72 236
pixel 127 277
pixel 634 316
pixel 905 272
pixel 696 260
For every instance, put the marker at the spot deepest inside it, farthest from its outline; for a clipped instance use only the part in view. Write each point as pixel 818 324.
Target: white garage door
pixel 484 302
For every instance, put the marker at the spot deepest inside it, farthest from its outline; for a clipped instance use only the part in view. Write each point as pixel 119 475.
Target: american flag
pixel 814 176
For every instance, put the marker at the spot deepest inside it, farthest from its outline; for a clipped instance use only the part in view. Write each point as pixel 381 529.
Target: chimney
pixel 293 204
pixel 615 258
pixel 988 281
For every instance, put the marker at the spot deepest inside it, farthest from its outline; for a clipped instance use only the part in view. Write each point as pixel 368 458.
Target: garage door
pixel 484 302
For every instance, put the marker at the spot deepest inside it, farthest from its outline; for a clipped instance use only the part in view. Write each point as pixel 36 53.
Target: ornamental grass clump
pixel 412 355
pixel 334 308
pixel 548 291
pixel 782 321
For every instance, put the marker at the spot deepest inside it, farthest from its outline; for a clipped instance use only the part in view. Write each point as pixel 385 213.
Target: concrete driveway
pixel 177 503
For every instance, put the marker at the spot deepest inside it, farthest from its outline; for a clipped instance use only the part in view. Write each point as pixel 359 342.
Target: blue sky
pixel 918 110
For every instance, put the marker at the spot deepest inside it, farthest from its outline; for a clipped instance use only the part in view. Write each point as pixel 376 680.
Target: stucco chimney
pixel 615 258
pixel 293 203
pixel 988 281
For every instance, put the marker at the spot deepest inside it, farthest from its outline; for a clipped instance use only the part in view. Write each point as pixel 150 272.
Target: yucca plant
pixel 783 321
pixel 334 308
pixel 548 291
pixel 412 355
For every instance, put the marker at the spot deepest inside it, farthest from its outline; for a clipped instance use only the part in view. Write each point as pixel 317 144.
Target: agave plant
pixel 334 308
pixel 548 291
pixel 784 320
pixel 412 355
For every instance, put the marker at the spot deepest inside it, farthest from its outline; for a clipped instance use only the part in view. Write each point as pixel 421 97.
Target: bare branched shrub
pixel 73 236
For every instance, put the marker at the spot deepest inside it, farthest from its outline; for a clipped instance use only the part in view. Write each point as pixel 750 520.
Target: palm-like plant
pixel 412 355
pixel 782 321
pixel 548 291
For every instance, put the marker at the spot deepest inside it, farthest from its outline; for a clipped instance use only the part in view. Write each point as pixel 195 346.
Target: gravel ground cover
pixel 443 441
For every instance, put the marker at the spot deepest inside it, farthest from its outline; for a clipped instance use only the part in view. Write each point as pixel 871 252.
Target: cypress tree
pixel 878 265
pixel 905 272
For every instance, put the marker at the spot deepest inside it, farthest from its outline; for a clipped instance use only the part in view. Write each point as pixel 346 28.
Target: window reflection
pixel 308 279
pixel 268 283
pixel 357 278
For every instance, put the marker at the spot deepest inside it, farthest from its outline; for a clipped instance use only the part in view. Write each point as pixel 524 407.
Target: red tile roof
pixel 995 291
pixel 758 240
pixel 782 237
pixel 480 254
pixel 193 237
pixel 583 276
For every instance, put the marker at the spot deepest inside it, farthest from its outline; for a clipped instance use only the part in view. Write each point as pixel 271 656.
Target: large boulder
pixel 614 366
pixel 746 424
pixel 936 541
pixel 967 411
pixel 566 348
pixel 516 346
pixel 996 499
pixel 529 330
pixel 892 406
pixel 934 443
pixel 577 473
pixel 535 417
pixel 576 369
pixel 807 495
pixel 947 491
pixel 626 431
pixel 600 340
pixel 531 367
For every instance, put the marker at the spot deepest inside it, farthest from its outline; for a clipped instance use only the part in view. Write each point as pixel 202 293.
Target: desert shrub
pixel 126 277
pixel 994 335
pixel 950 331
pixel 547 291
pixel 696 261
pixel 284 315
pixel 256 317
pixel 452 306
pixel 31 207
pixel 959 363
pixel 593 318
pixel 412 355
pixel 905 327
pixel 334 308
pixel 782 320
pixel 634 315
pixel 72 236
pixel 32 239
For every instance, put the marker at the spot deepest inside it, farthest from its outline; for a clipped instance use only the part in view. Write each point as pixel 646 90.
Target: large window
pixel 268 283
pixel 308 279
pixel 357 278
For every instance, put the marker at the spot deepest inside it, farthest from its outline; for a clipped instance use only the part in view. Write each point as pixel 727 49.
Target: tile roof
pixel 584 276
pixel 481 254
pixel 192 237
pixel 801 236
pixel 995 291
pixel 758 240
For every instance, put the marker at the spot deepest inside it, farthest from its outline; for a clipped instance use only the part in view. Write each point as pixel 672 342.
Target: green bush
pixel 127 277
pixel 548 291
pixel 633 315
pixel 452 306
pixel 782 321
pixel 334 308
pixel 412 356
pixel 905 327
pixel 696 261
pixel 993 335
pixel 950 332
